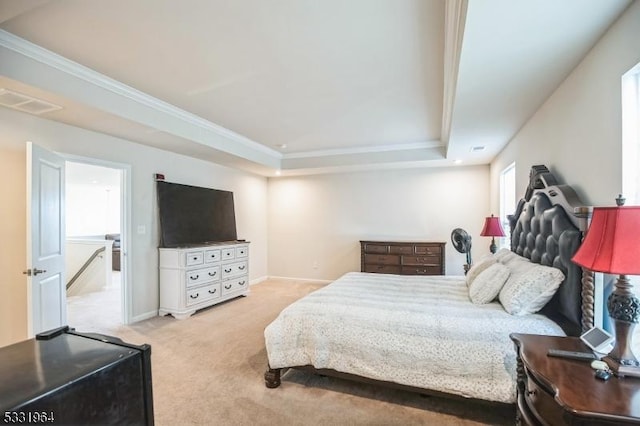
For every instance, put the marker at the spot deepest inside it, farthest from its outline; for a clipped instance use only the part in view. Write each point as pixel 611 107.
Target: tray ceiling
pixel 298 86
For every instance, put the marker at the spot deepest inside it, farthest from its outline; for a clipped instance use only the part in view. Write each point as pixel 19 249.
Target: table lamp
pixel 493 229
pixel 612 246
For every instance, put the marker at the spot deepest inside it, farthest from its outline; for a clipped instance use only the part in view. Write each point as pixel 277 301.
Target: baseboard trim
pixel 144 316
pixel 258 280
pixel 306 280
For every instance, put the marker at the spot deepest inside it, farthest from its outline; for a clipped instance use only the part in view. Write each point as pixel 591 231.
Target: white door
pixel 45 240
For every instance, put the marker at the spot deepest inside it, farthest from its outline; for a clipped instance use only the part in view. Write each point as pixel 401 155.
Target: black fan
pixel 462 242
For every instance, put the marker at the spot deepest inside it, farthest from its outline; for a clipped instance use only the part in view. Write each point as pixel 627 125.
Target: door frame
pixel 126 292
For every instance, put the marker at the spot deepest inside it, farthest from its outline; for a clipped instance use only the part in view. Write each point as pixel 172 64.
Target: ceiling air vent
pixel 477 148
pixel 25 103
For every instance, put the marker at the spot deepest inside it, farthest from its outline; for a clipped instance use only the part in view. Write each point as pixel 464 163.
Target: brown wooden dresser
pixel 560 391
pixel 402 257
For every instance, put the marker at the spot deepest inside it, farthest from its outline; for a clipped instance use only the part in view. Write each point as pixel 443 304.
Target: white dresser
pixel 196 277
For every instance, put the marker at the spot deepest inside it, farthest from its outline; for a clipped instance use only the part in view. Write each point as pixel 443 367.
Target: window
pixel 507 201
pixel 631 156
pixel 631 135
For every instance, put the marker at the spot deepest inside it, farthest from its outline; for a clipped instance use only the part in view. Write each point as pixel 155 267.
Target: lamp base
pixel 493 247
pixel 623 368
pixel 624 309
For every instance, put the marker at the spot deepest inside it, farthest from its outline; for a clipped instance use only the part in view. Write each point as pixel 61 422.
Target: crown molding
pixel 367 167
pixel 455 18
pixel 362 150
pixel 42 55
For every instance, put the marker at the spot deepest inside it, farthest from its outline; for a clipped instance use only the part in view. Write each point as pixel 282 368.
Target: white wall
pixel 92 209
pixel 577 131
pixel 322 218
pixel 250 194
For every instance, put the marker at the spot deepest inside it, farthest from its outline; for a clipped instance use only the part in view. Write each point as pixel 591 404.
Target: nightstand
pixel 559 391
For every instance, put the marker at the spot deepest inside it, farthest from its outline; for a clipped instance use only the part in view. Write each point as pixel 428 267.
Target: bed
pixel 423 333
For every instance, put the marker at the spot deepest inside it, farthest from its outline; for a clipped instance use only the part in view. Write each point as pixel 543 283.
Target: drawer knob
pixel 194 297
pixel 212 291
pixel 194 278
pixel 241 282
pixel 227 270
pixel 213 274
pixel 241 267
pixel 228 287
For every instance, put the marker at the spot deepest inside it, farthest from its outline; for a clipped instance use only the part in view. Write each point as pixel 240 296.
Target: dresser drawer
pixel 421 260
pixel 238 284
pixel 193 258
pixel 435 250
pixel 228 253
pixel 382 269
pixel 376 248
pixel 382 259
pixel 541 404
pixel 401 249
pixel 198 276
pixel 211 256
pixel 421 270
pixel 242 252
pixel 201 294
pixel 233 269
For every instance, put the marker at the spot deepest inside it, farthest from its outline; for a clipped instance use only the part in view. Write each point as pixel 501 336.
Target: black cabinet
pixel 64 377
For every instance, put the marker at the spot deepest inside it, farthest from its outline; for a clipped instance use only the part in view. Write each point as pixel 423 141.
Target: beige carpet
pixel 97 310
pixel 209 369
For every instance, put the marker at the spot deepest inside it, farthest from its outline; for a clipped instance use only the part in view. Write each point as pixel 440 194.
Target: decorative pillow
pixel 528 291
pixel 503 252
pixel 510 257
pixel 520 266
pixel 487 285
pixel 477 268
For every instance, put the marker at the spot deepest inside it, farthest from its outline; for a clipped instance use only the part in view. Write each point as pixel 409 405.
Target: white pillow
pixel 527 292
pixel 477 268
pixel 487 285
pixel 520 266
pixel 510 257
pixel 503 252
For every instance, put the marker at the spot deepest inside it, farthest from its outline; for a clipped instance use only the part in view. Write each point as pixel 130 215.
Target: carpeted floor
pixel 98 310
pixel 209 369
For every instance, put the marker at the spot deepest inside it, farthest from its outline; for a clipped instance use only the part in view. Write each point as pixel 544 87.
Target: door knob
pixel 34 272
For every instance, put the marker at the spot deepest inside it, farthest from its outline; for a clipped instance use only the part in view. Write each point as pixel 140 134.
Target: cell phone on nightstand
pixel 598 340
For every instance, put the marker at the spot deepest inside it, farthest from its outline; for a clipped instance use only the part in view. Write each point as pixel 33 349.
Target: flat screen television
pixel 192 215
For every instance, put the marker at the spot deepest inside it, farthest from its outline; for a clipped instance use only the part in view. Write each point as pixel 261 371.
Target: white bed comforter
pixel 416 331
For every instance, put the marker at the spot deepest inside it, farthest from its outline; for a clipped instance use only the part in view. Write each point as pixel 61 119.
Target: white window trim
pixel 631 135
pixel 506 242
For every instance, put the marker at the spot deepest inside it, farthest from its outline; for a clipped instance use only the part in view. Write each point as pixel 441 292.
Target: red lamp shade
pixel 612 243
pixel 492 227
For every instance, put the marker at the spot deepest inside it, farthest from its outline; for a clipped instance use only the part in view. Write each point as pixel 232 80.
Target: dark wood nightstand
pixel 559 391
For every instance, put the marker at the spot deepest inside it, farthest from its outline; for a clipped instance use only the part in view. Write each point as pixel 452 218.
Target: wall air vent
pixel 25 103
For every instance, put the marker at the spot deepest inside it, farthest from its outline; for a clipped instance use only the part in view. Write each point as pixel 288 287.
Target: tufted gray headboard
pixel 545 230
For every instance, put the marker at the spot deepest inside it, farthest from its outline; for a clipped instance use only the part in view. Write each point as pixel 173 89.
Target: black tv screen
pixel 192 215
